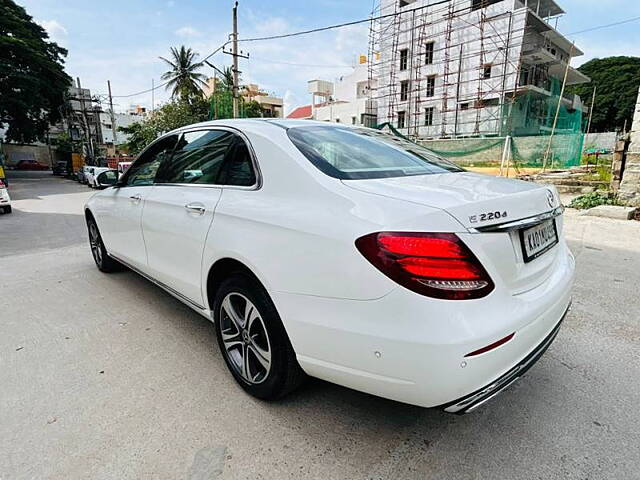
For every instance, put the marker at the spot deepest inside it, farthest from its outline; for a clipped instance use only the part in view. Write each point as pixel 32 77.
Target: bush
pixel 590 200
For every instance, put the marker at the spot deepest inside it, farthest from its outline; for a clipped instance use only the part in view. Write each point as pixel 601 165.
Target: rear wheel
pixel 6 209
pixel 103 261
pixel 253 340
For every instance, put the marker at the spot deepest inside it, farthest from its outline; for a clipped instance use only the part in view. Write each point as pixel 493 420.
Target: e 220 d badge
pixel 485 217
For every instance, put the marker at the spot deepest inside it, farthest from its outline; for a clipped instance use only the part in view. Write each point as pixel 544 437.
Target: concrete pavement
pixel 107 377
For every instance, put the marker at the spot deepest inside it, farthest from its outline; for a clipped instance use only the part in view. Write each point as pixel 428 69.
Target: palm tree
pixel 226 82
pixel 183 78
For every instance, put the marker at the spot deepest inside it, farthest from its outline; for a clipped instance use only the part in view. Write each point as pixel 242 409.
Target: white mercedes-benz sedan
pixel 343 253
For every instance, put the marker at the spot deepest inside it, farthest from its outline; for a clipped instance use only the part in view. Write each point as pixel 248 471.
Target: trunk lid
pixel 469 197
pixel 480 201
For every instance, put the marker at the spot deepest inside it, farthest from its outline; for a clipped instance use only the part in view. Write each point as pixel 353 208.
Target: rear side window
pixel 143 170
pixel 359 153
pixel 238 168
pixel 198 158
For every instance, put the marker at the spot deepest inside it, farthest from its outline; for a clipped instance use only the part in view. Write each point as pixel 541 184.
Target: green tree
pixel 183 78
pixel 617 80
pixel 174 114
pixel 253 109
pixel 32 78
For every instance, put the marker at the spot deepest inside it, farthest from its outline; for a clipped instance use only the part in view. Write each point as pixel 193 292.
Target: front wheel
pixel 253 341
pixel 103 261
pixel 6 209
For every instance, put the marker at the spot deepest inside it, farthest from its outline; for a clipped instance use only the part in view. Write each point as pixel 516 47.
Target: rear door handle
pixel 135 198
pixel 195 208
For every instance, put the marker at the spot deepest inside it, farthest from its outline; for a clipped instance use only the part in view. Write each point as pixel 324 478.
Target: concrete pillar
pixel 630 186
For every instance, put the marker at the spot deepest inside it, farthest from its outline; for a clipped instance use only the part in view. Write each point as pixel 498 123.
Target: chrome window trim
pixel 254 161
pixel 518 224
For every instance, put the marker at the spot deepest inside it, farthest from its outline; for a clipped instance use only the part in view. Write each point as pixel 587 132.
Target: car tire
pixel 6 209
pixel 103 261
pixel 256 347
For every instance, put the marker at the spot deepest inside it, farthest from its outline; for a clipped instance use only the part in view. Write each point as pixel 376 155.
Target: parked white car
pixel 92 174
pixel 344 253
pixel 5 199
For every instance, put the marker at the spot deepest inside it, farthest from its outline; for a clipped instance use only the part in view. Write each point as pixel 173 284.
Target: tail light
pixel 437 265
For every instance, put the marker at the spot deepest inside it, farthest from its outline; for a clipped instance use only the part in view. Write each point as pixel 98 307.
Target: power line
pixel 266 60
pixel 629 20
pixel 340 25
pixel 142 92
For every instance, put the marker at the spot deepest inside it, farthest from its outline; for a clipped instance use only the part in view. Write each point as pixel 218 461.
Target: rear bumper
pixel 412 349
pixel 472 401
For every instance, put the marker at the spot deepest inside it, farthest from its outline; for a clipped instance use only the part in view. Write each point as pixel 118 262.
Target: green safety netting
pixel 528 122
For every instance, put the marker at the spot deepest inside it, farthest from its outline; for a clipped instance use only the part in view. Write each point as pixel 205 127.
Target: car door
pixel 120 215
pixel 180 210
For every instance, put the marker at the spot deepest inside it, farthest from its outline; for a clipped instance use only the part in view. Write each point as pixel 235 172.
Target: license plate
pixel 537 240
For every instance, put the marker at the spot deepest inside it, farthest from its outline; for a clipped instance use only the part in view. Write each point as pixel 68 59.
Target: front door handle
pixel 135 198
pixel 195 208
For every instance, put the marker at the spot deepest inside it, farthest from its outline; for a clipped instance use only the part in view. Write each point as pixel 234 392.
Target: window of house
pixel 401 119
pixel 404 56
pixel 428 116
pixel 337 120
pixel 428 60
pixel 431 86
pixel 478 4
pixel 404 90
pixel 487 102
pixel 464 106
pixel 486 71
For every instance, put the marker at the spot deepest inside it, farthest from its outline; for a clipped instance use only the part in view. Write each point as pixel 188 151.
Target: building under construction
pixel 476 69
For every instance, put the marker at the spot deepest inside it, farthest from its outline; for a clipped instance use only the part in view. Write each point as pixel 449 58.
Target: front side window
pixel 198 158
pixel 143 170
pixel 359 153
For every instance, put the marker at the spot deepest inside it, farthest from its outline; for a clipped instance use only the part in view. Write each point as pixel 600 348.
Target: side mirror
pixel 107 179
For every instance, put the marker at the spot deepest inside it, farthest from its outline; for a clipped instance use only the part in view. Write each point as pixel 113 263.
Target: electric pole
pixel 113 118
pixel 234 53
pixel 235 60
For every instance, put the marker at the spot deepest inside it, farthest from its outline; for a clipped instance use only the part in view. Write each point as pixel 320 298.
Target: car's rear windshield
pixel 351 153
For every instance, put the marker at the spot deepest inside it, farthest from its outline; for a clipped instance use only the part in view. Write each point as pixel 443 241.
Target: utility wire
pixel 266 60
pixel 629 20
pixel 341 25
pixel 347 24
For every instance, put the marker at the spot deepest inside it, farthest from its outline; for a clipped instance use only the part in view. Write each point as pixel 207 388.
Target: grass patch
pixel 595 199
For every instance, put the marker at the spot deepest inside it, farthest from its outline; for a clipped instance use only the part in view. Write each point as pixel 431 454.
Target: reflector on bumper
pixel 470 402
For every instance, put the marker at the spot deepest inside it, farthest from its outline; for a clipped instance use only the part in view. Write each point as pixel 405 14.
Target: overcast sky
pixel 121 40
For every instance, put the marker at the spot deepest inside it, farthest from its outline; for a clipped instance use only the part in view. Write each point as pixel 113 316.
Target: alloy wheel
pixel 245 338
pixel 96 243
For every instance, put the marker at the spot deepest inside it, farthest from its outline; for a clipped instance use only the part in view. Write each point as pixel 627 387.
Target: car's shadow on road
pixel 401 439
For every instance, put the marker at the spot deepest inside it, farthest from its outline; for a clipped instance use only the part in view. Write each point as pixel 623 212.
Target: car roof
pixel 261 124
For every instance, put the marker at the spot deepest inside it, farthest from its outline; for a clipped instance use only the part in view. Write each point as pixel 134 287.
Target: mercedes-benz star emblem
pixel 551 198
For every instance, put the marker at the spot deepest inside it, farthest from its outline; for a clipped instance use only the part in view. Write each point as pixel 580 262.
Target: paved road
pixel 106 377
pixel 45 213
